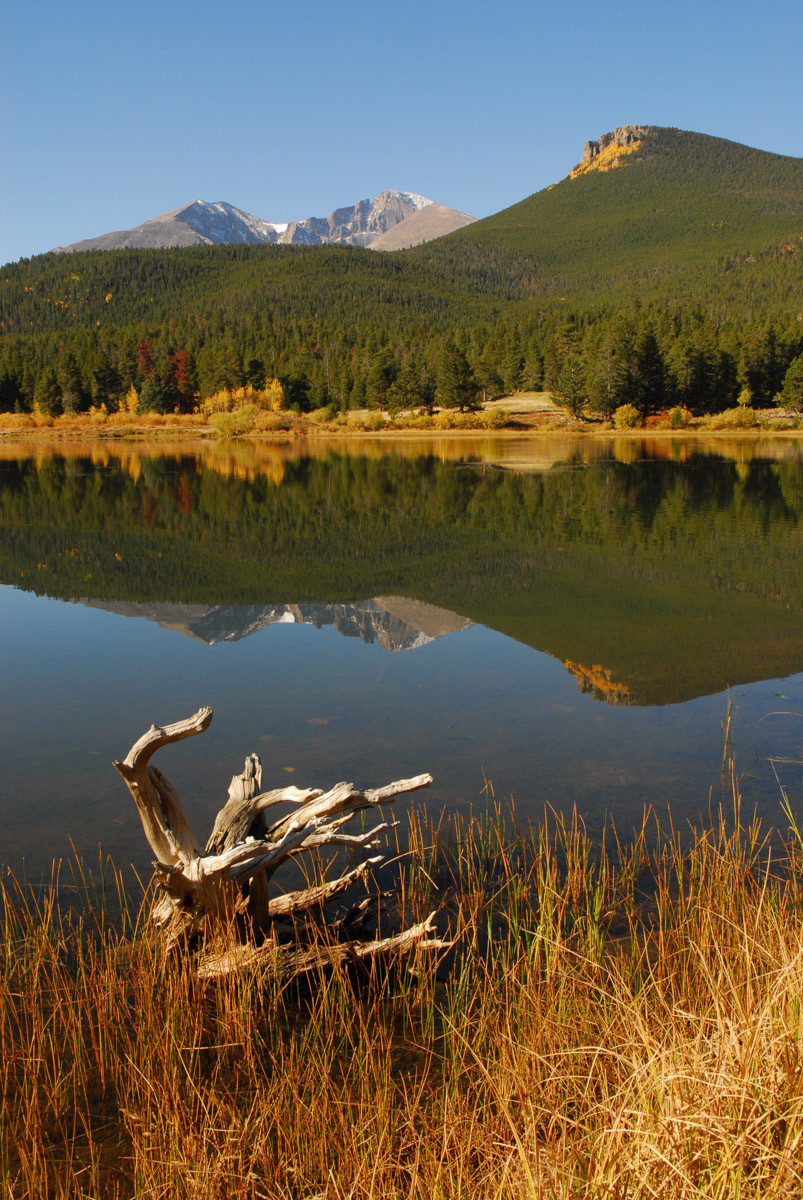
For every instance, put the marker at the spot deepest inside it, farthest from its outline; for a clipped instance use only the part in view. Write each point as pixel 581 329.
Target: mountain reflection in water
pixel 655 571
pixel 394 622
pixel 606 594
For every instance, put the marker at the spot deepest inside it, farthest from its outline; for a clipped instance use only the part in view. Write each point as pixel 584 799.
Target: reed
pixel 615 1020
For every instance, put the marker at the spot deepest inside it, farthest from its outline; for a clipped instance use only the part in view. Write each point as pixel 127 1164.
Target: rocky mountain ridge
pixel 201 223
pixel 619 138
pixel 429 223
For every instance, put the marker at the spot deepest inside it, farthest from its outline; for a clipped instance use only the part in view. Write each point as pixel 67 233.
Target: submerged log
pixel 217 901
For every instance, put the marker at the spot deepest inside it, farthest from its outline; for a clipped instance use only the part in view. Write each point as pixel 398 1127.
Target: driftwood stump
pixel 217 901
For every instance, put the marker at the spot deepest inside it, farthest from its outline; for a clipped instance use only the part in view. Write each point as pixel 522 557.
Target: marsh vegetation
pixel 614 1020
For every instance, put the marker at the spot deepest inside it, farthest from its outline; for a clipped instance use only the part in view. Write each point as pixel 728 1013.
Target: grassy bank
pixel 518 414
pixel 622 1022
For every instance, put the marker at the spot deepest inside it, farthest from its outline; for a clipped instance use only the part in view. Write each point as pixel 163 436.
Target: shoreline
pixel 521 415
pixel 172 429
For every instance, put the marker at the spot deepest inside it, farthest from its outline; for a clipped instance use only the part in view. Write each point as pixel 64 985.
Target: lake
pixel 553 621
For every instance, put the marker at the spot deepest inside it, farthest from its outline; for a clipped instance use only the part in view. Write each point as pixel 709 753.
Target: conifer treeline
pixel 350 329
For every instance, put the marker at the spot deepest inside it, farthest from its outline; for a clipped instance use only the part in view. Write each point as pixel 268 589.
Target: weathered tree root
pixel 207 894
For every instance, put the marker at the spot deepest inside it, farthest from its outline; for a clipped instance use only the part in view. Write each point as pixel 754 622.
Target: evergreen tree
pixel 74 396
pixel 357 395
pixel 457 385
pixel 383 372
pixel 255 372
pixel 405 391
pixel 610 382
pixel 47 393
pixel 791 394
pixel 513 368
pixel 10 392
pixel 649 373
pixel 532 377
pixel 107 385
pixel 488 378
pixel 570 387
pixel 156 394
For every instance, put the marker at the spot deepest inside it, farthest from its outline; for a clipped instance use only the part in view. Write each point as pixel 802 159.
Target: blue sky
pixel 112 113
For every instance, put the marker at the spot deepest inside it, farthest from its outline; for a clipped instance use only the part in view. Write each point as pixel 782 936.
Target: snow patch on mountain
pixel 418 201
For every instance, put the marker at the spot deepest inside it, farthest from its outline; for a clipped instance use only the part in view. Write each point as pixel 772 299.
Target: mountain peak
pixel 653 201
pixel 205 223
pixel 611 149
pixel 393 196
pixel 359 224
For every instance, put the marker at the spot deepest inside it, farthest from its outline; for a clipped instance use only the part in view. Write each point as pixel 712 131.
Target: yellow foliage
pixel 275 394
pixel 131 401
pixel 627 416
pixel 40 419
pixel 218 402
pixel 227 400
pixel 743 417
pixel 599 682
pixel 494 418
pixel 609 157
pixel 16 421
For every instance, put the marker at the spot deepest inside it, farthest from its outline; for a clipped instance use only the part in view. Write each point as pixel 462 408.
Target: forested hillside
pixel 674 277
pixel 654 214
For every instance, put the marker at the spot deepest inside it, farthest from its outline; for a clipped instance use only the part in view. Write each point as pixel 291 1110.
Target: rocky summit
pixel 201 223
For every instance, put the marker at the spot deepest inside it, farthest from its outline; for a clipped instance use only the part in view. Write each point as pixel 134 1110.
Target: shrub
pixel 272 422
pixel 16 421
pixel 42 420
pixel 271 398
pixel 234 424
pixel 627 416
pixel 457 420
pixel 734 418
pixel 494 418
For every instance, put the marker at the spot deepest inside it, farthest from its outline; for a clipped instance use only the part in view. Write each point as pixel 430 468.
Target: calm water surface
pixel 566 620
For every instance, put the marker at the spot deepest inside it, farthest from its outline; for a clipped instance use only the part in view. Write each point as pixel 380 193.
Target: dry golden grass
pixel 623 1022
